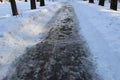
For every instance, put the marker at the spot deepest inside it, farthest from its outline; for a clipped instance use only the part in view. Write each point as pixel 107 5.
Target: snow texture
pixel 99 26
pixel 61 56
pixel 19 32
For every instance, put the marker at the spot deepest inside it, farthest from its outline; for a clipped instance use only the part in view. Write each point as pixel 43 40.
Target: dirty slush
pixel 62 55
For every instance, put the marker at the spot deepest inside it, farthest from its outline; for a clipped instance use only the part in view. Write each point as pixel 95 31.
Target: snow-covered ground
pixel 101 28
pixel 99 25
pixel 23 30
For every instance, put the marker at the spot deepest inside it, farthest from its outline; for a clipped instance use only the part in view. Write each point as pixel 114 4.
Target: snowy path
pixel 63 55
pixel 29 28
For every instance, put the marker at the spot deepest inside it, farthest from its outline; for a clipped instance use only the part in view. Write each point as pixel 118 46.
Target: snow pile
pixel 21 31
pixel 100 27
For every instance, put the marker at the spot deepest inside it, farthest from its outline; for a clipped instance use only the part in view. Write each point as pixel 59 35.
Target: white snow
pixel 99 25
pixel 21 31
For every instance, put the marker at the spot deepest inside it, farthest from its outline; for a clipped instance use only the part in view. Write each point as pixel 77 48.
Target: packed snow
pixel 99 25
